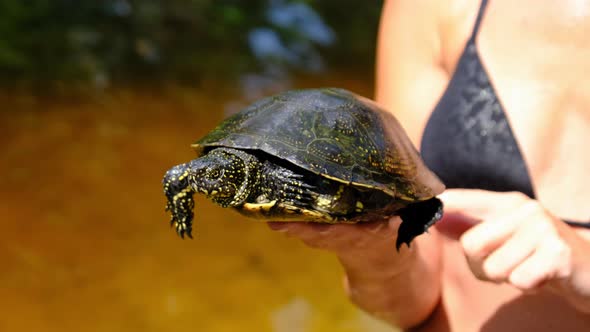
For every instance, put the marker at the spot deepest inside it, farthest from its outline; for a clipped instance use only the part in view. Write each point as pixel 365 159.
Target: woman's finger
pixel 483 243
pixel 482 239
pixel 551 261
pixel 500 263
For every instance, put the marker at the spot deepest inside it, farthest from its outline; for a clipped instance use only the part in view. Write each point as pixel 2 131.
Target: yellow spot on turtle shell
pixel 359 206
pixel 339 192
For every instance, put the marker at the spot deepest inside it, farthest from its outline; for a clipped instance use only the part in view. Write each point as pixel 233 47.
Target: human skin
pixel 496 261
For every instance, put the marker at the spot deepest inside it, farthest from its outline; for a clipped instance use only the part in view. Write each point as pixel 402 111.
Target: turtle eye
pixel 214 173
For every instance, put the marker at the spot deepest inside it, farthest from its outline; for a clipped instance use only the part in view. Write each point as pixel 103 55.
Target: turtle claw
pixel 189 234
pixel 182 216
pixel 181 231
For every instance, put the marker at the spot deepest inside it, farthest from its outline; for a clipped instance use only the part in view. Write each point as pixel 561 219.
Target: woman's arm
pixel 410 73
pixel 401 288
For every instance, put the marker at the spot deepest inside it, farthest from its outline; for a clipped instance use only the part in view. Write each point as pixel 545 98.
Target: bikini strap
pixel 482 9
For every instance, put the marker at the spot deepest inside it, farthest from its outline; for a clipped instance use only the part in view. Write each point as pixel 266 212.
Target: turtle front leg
pixel 180 199
pixel 279 183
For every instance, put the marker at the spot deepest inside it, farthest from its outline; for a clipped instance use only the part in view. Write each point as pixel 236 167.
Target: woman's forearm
pixel 402 288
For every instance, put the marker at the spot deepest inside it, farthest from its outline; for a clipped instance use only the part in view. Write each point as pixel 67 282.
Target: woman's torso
pixel 537 55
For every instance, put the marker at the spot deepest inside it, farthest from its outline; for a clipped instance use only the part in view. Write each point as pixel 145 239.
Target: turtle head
pixel 179 194
pixel 226 176
pixel 221 175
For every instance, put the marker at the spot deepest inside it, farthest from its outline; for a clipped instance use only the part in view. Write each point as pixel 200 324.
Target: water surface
pixel 86 243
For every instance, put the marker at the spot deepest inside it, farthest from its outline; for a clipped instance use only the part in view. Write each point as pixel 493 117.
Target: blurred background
pixel 97 100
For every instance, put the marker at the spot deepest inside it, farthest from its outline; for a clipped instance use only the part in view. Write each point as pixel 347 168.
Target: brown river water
pixel 86 244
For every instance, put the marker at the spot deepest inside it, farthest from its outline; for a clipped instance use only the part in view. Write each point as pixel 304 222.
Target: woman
pixel 498 97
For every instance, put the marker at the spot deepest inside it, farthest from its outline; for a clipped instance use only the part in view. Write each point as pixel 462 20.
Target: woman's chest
pixel 543 86
pixel 550 119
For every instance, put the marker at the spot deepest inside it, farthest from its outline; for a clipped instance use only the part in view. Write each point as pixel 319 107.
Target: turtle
pixel 322 155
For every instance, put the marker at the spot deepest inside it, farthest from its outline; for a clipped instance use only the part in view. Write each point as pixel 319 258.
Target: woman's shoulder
pixel 419 41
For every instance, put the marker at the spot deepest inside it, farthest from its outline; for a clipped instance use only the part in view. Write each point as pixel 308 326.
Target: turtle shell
pixel 334 133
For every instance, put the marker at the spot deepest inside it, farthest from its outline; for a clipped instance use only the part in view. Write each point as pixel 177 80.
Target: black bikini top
pixel 468 141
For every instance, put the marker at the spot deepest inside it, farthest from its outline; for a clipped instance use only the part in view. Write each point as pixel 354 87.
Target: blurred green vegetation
pixel 47 42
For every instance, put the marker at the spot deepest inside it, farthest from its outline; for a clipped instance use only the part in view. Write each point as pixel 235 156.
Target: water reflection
pixel 302 28
pixel 288 40
pixel 121 7
pixel 255 85
pixel 300 17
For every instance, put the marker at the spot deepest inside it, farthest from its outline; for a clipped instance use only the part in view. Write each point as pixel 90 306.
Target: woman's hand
pixel 347 240
pixel 516 241
pixel 366 250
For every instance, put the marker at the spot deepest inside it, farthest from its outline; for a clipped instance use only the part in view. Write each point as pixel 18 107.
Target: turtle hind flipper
pixel 416 219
